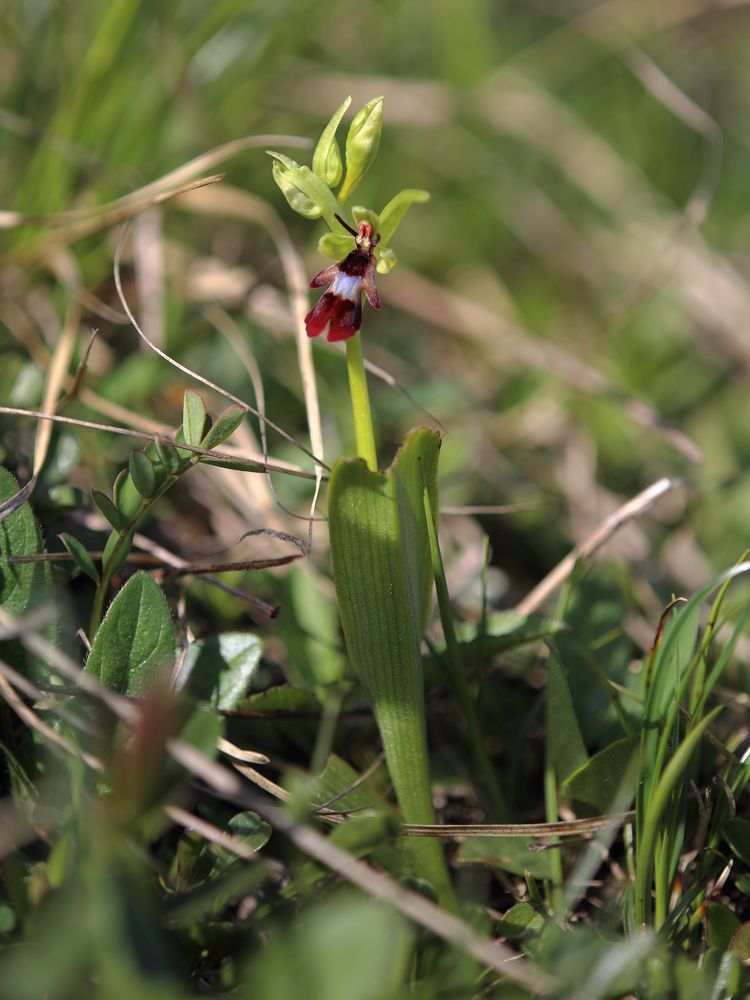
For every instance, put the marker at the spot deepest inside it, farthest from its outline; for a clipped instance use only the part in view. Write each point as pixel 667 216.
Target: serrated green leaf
pixel 108 510
pixel 326 161
pixel 219 669
pixel 136 639
pixel 193 417
pixel 23 586
pixel 142 473
pixel 393 214
pixel 80 555
pixel 226 424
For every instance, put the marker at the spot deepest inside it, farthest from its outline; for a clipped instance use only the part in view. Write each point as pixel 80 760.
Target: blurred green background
pixel 572 305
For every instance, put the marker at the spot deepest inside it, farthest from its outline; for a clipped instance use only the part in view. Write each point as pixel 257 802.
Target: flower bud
pixel 362 144
pixel 326 161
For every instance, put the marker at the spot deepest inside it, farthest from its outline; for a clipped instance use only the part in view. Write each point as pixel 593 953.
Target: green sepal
pixel 362 214
pixel 326 161
pixel 335 247
pixel 80 555
pixel 394 212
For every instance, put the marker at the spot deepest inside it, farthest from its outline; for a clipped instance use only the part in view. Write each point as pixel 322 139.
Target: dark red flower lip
pixel 339 309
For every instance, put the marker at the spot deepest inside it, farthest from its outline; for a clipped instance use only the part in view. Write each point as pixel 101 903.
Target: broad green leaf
pixel 108 510
pixel 345 948
pixel 565 746
pixel 23 586
pixel 599 781
pixel 80 555
pixel 383 575
pixel 392 215
pixel 511 854
pixel 721 925
pixel 226 424
pixel 519 920
pixel 219 669
pixel 326 161
pixel 193 417
pixel 335 778
pixel 740 943
pixel 737 834
pixel 142 473
pixel 135 641
pixel 248 828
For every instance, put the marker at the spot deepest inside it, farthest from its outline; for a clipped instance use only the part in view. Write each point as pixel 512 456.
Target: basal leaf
pixel 565 744
pixel 599 781
pixel 135 641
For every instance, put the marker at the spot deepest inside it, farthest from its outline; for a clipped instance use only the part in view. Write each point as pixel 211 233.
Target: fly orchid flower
pixel 339 309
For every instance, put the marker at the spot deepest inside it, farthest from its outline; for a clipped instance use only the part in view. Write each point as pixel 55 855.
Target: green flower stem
pixel 364 435
pixel 456 675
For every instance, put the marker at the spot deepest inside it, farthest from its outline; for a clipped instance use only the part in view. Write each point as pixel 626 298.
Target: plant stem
pixel 456 675
pixel 364 435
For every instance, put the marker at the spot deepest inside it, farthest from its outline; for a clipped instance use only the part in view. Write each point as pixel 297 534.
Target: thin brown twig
pixel 634 507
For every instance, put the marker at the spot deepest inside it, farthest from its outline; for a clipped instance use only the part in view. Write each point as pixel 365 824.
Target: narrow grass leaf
pixel 136 639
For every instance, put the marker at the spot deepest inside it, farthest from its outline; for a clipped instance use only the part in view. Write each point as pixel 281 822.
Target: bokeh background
pixel 572 306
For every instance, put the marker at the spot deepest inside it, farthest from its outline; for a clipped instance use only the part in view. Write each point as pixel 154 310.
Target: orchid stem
pixel 364 435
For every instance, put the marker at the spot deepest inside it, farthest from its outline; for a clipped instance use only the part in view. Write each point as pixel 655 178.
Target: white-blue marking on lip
pixel 347 286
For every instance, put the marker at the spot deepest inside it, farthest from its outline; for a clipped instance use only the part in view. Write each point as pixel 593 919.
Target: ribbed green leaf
pixel 383 575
